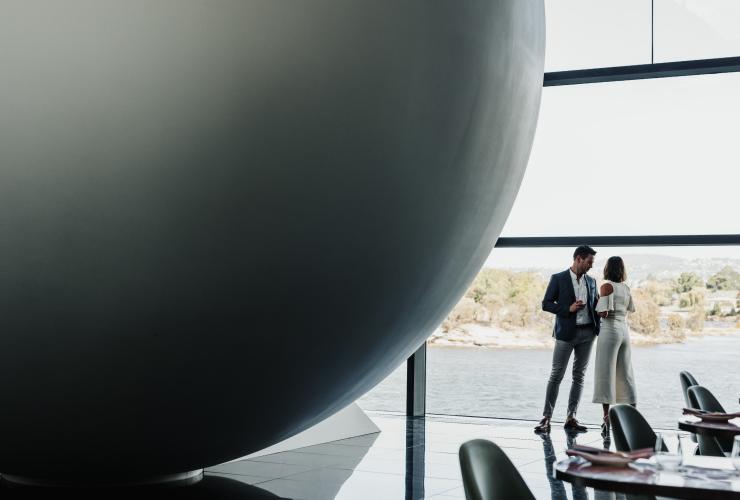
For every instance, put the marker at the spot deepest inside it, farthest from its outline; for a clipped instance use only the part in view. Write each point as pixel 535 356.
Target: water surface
pixel 511 383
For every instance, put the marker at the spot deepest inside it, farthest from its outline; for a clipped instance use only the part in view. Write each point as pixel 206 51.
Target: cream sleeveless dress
pixel 614 381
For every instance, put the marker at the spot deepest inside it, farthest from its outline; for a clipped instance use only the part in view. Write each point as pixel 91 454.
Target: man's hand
pixel 577 306
pixel 604 314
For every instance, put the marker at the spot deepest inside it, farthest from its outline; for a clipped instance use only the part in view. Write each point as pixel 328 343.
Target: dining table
pixel 727 429
pixel 697 478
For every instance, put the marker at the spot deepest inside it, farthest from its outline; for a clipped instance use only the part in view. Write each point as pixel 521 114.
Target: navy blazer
pixel 558 298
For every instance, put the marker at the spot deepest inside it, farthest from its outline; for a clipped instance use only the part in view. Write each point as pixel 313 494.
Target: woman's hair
pixel 614 269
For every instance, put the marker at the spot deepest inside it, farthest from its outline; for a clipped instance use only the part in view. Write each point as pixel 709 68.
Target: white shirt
pixel 581 291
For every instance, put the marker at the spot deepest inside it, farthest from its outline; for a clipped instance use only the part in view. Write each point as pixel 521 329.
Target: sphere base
pixel 178 479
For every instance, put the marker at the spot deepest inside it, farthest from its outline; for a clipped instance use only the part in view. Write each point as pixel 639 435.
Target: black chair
pixel 488 474
pixel 631 432
pixel 630 429
pixel 687 380
pixel 701 398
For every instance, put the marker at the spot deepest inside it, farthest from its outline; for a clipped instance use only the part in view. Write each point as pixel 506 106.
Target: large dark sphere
pixel 224 220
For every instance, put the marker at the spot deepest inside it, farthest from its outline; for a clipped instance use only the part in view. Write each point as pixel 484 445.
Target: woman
pixel 614 382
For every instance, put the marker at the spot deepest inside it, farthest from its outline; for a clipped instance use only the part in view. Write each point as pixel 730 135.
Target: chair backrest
pixel 702 398
pixel 488 474
pixel 631 430
pixel 687 380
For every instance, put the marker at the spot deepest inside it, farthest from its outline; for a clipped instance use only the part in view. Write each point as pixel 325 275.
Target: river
pixel 511 383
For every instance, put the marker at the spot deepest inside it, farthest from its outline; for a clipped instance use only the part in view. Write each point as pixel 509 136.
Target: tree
pixel 661 292
pixel 466 311
pixel 687 282
pixel 726 279
pixel 716 310
pixel 645 317
pixel 675 322
pixel 692 299
pixel 505 299
pixel 696 319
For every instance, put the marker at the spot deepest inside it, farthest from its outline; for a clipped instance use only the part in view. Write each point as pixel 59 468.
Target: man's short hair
pixel 583 252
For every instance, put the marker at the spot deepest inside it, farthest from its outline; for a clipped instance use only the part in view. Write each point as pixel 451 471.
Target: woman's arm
pixel 605 290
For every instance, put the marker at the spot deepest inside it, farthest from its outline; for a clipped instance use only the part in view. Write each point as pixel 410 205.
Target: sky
pixel 642 157
pixel 598 33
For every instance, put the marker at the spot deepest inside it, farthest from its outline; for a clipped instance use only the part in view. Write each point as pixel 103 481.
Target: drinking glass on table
pixel 686 447
pixel 664 458
pixel 735 455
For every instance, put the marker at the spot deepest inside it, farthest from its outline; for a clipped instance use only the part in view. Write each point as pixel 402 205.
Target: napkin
pixel 700 413
pixel 635 454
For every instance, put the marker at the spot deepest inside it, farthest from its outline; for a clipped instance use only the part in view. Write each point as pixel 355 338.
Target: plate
pixel 716 417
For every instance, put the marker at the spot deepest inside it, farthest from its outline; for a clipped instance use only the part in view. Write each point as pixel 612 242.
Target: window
pixel 492 356
pixel 587 34
pixel 389 395
pixel 696 29
pixel 633 158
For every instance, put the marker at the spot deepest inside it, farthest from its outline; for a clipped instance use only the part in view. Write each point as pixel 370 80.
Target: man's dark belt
pixel 585 325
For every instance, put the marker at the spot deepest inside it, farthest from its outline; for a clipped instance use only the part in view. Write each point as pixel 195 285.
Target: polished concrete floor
pixel 409 459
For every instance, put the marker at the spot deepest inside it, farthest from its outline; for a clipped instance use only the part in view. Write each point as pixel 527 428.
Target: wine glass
pixel 735 455
pixel 664 458
pixel 686 447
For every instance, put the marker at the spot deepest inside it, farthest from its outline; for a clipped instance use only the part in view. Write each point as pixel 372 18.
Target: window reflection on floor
pixel 415 459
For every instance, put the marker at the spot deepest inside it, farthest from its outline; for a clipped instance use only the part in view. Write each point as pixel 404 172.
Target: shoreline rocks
pixel 487 337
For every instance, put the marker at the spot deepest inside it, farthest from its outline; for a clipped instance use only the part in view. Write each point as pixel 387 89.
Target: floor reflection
pixel 320 471
pixel 411 458
pixel 415 457
pixel 557 487
pixel 210 487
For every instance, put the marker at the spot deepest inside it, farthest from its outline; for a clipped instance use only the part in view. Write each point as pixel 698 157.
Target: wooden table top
pixel 692 482
pixel 717 429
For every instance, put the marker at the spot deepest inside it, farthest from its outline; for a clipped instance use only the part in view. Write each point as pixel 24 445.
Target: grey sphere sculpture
pixel 222 221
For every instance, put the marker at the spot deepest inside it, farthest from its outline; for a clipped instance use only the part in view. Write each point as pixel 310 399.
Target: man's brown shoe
pixel 543 426
pixel 572 424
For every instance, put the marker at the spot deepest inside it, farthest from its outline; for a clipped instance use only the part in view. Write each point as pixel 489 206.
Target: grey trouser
pixel 614 382
pixel 581 345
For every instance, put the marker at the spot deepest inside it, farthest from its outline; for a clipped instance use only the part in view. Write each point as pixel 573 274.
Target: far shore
pixel 486 337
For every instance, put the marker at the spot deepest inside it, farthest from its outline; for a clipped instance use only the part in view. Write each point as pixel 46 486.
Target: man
pixel 571 296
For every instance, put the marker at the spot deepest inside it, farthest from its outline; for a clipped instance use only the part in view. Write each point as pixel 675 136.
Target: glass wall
pixel 648 157
pixel 389 395
pixel 492 355
pixel 588 34
pixel 638 158
pixel 696 29
pixel 651 157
